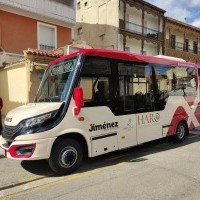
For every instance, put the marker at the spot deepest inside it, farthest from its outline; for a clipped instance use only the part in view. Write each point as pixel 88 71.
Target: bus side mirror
pixel 78 98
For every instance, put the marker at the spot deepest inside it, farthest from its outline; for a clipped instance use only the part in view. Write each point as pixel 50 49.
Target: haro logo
pixel 148 118
pixel 104 126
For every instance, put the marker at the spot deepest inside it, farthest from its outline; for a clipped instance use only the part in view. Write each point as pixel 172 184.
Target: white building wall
pixel 133 44
pixel 90 13
pixel 99 21
pixel 120 42
pixel 121 11
pixel 152 21
pixel 46 8
pixel 134 15
pixel 150 49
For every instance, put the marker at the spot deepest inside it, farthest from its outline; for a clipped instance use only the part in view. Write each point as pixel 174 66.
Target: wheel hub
pixel 181 132
pixel 68 157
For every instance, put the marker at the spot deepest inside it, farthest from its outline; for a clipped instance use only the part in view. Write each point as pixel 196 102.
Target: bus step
pixel 196 131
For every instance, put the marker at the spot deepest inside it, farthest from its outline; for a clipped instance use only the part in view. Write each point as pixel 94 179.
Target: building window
pixel 186 45
pixel 79 5
pixel 68 3
pixel 173 41
pixel 47 36
pixel 195 47
pixel 79 30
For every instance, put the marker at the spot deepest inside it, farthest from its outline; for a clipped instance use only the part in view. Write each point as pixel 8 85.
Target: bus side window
pixel 95 81
pixel 86 83
pixel 95 92
pixel 126 102
pixel 99 95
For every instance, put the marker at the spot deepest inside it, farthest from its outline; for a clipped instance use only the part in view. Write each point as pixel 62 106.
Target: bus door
pixel 125 104
pixel 147 105
pixel 127 118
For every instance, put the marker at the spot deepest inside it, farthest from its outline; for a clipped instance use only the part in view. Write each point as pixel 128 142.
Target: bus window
pixel 95 81
pixel 126 101
pixel 140 86
pixel 56 81
pixel 182 82
pixel 158 85
pixel 133 87
pixel 165 81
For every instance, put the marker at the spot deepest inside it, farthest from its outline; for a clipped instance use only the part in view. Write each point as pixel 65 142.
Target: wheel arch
pixel 178 122
pixel 175 122
pixel 78 137
pixel 182 132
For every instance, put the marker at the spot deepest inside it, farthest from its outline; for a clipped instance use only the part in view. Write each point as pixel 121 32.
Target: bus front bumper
pixel 28 150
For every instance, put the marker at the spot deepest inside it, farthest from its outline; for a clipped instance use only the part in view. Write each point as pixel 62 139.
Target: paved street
pixel 156 170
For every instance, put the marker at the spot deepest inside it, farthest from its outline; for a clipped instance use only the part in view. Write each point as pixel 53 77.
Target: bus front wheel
pixel 181 132
pixel 66 156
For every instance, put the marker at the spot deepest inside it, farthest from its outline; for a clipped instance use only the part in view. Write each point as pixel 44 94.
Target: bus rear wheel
pixel 181 132
pixel 66 156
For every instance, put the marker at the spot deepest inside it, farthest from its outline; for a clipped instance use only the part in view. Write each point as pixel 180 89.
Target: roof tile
pixel 38 52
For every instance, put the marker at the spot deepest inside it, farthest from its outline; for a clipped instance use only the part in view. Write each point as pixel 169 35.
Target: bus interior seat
pixel 99 95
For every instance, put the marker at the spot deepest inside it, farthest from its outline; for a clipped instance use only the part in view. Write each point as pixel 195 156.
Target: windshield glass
pixel 56 81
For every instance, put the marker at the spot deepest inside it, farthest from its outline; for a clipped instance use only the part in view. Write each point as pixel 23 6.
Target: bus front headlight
pixel 38 120
pixel 34 124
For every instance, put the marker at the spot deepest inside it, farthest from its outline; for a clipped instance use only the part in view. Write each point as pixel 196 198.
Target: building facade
pixel 130 25
pixel 182 41
pixel 37 24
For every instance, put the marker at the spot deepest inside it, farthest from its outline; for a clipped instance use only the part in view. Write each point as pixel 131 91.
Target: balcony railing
pixel 181 47
pixel 141 30
pixel 178 46
pixel 131 27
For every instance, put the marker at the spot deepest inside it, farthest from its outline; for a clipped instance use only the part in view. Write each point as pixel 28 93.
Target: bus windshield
pixel 56 81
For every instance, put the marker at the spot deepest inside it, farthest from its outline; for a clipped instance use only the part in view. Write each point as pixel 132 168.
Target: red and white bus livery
pixel 95 101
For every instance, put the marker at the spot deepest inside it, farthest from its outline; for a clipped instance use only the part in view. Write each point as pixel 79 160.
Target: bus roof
pixel 122 55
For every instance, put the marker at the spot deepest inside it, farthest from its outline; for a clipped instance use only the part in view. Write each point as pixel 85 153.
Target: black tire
pixel 66 156
pixel 181 132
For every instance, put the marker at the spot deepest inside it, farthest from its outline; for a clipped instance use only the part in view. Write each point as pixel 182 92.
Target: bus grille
pixel 10 131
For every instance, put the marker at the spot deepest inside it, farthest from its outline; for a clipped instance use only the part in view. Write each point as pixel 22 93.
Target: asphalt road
pixel 155 170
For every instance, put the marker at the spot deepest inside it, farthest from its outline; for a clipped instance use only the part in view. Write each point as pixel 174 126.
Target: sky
pixel 187 11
